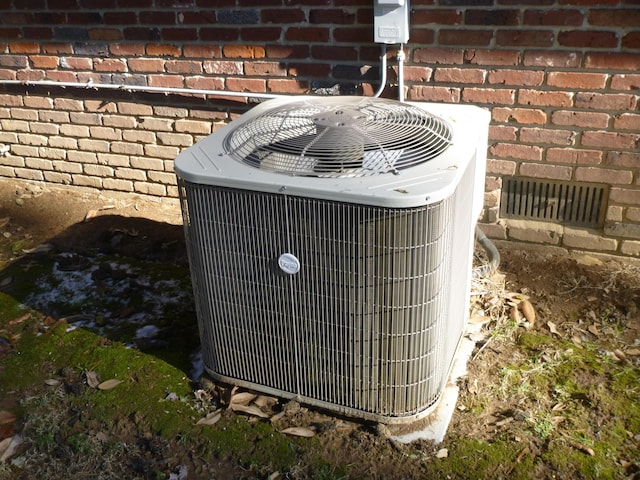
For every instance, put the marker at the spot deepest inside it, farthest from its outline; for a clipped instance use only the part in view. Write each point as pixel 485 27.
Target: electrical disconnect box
pixel 391 21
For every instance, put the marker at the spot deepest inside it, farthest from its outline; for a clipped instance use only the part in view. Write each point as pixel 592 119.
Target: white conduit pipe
pixel 168 90
pixel 401 58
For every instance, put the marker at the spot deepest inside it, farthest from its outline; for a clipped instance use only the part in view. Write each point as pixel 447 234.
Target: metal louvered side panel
pixel 363 328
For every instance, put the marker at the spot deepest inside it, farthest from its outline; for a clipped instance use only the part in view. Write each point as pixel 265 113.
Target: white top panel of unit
pixel 214 160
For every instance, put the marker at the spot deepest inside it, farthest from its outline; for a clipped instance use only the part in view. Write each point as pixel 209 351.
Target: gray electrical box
pixel 391 21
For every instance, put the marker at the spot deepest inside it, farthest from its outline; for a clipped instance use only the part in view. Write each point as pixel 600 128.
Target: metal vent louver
pixel 330 242
pixel 339 137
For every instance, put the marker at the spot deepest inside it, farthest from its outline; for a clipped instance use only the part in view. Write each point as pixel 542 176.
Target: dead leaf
pixel 264 401
pixel 109 384
pixel 9 446
pixel 52 382
pixel 442 453
pixel 552 328
pixel 583 448
pixel 633 352
pixel 6 417
pixel 299 432
pixel 593 328
pixel 243 398
pixel 514 314
pixel 90 214
pixel 576 341
pixel 6 281
pixel 92 378
pixel 210 419
pixel 479 319
pixel 249 409
pixel 528 311
pixel 20 319
pixel 620 355
pixel 4 221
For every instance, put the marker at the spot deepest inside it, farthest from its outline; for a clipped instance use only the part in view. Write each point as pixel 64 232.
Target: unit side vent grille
pixel 567 203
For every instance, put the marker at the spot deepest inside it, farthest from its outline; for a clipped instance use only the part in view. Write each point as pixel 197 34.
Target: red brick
pixel 606 101
pixel 60 76
pixel 160 50
pixel 105 34
pixel 24 47
pixel 488 96
pixel 44 61
pixel 487 16
pixel 492 57
pixel 243 51
pixel 179 34
pixel 420 36
pixel 618 17
pixel 627 121
pixel 246 85
pixel 283 15
pixel 525 38
pixel 30 75
pixel 502 133
pixel 223 67
pixel 57 48
pixel 109 65
pixel 604 175
pixel 146 64
pixel 437 16
pixel 76 63
pixel 611 140
pixel 309 69
pixel 287 86
pixel 431 93
pixel 612 61
pixel 545 98
pixel 157 18
pixel 577 80
pixel 516 77
pixel 520 152
pixel 328 52
pixel 625 196
pixel 574 118
pixel 459 75
pixel 417 74
pixel 202 51
pixel 9 33
pixel 331 16
pixel 631 40
pixel 126 50
pixel 119 18
pixel 547 58
pixel 287 51
pixel 183 66
pixel 219 34
pixel 274 69
pixel 574 155
pixel 501 167
pixel 438 56
pixel 205 83
pixel 519 115
pixel 261 34
pixel 362 35
pixel 541 170
pixel 172 81
pixel 560 17
pixel 198 17
pixel 623 159
pixel 471 38
pixel 588 39
pixel 307 34
pixel 547 136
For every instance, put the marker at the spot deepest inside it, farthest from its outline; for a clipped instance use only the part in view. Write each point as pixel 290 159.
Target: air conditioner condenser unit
pixel 330 242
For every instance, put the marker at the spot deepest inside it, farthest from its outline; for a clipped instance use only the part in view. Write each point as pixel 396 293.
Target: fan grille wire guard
pixel 346 137
pixel 365 328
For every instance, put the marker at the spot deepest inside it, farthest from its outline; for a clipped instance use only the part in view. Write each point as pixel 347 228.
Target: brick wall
pixel 560 77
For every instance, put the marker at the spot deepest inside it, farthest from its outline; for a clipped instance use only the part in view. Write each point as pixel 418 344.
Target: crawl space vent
pixel 567 203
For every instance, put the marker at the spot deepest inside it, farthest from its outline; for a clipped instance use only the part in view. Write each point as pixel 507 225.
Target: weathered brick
pixel 44 61
pixel 606 101
pixel 492 57
pixel 54 116
pixel 521 152
pixel 534 231
pixel 45 128
pixel 6 171
pixel 204 83
pixel 623 159
pixel 113 160
pixel 155 124
pixel 163 50
pixel 275 69
pixel 545 98
pixel 246 85
pixel 162 177
pixel 134 109
pixel 57 177
pixel 542 170
pixel 72 130
pixel 83 118
pixel 192 127
pixel 13 161
pixel 620 229
pixel 516 77
pixel 105 133
pixel 170 81
pixel 610 140
pixel 547 136
pixel 98 170
pixel 625 196
pixel 577 80
pixel 627 121
pixel 431 93
pixel 633 214
pixel 118 184
pixel 575 156
pixel 519 115
pixel 147 188
pixel 146 163
pixel 574 118
pixel 614 213
pixel 467 38
pixel 28 174
pixel 175 139
pixel 11 100
pixel 38 102
pixel 604 175
pixel 139 136
pixel 126 148
pixel 525 38
pixel 68 104
pixel 587 240
pixel 24 150
pixel 459 75
pixel 561 17
pixel 625 82
pixel 67 167
pixel 612 61
pixel 82 157
pixel 32 139
pixel 52 153
pixel 503 133
pixel 146 64
pixel 39 163
pixel 130 174
pixel 440 56
pixel 92 145
pixel 630 248
pixel 501 167
pixel 158 151
pixel 119 121
pixel 618 17
pixel 173 112
pixel 588 39
pixel 86 181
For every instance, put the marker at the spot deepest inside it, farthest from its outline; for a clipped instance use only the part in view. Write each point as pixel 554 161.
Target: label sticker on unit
pixel 289 263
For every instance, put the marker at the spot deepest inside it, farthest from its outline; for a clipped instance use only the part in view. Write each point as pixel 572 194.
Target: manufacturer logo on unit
pixel 289 263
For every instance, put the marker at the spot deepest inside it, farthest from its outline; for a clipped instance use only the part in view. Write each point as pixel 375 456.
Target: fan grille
pixel 338 137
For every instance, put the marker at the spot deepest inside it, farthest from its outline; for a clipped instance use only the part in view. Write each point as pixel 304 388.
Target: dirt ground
pixel 555 396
